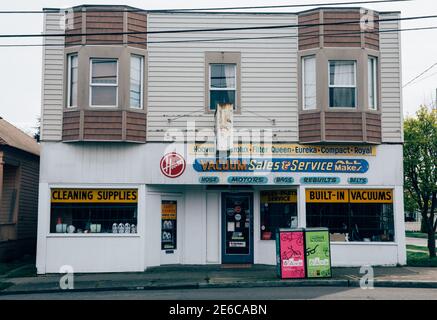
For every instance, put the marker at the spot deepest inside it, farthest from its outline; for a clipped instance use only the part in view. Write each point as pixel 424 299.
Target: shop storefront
pixel 188 208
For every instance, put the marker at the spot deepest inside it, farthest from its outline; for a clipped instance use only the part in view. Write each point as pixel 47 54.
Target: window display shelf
pixel 93 235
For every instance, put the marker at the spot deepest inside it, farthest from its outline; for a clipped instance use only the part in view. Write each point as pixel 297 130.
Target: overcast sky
pixel 20 68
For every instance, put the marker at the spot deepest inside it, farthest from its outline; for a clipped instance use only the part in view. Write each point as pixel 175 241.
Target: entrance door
pixel 171 229
pixel 237 228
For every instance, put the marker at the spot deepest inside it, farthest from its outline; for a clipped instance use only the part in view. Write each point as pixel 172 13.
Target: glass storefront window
pixel 278 210
pixel 94 211
pixel 352 215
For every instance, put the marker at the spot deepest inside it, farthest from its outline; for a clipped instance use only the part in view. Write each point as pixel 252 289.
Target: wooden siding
pixel 136 126
pixel 102 125
pixel 309 37
pixel 28 173
pixel 342 34
pixel 104 22
pixel 310 128
pixel 176 88
pixel 344 126
pixel 391 80
pixel 52 80
pixel 76 28
pixel 71 126
pixel 137 22
pixel 10 188
pixel 373 127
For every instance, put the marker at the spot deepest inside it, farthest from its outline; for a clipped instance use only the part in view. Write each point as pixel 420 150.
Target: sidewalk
pixel 216 276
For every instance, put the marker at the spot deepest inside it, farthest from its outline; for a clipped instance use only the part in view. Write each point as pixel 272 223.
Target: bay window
pixel 222 84
pixel 372 82
pixel 72 81
pixel 104 82
pixel 342 84
pixel 136 81
pixel 309 82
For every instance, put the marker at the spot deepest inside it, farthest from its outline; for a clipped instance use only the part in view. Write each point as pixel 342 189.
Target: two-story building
pixel 136 106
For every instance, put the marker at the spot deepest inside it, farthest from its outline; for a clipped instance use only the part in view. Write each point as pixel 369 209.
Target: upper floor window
pixel 309 82
pixel 372 83
pixel 104 82
pixel 72 81
pixel 222 84
pixel 342 84
pixel 136 81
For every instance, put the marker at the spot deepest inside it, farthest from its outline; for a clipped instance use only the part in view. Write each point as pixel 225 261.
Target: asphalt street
pixel 283 293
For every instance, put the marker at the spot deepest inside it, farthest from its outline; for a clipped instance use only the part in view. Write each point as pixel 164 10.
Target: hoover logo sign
pixel 172 165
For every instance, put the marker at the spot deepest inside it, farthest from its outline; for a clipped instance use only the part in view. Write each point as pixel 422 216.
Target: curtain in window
pixel 342 90
pixel 342 73
pixel 309 66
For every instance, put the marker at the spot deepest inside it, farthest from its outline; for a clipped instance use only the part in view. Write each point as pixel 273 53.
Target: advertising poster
pixel 318 255
pixel 168 227
pixel 291 254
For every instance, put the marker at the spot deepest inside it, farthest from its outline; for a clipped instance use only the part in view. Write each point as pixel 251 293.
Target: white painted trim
pixel 343 86
pixel 91 84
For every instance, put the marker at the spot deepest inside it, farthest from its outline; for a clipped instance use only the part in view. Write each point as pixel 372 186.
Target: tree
pixel 420 163
pixel 37 134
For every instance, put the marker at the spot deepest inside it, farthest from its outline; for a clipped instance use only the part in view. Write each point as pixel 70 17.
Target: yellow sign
pixel 94 195
pixel 327 195
pixel 349 196
pixel 168 210
pixel 283 150
pixel 371 196
pixel 279 196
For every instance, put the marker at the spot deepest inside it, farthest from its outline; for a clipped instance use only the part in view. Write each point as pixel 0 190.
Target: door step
pixel 236 266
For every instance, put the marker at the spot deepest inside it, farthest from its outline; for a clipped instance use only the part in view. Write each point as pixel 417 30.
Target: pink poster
pixel 292 255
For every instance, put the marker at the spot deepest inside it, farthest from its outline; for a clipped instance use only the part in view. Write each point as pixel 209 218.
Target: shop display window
pixel 94 211
pixel 349 219
pixel 278 210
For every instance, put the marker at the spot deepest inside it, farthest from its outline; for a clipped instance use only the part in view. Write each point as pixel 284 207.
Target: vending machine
pixel 290 253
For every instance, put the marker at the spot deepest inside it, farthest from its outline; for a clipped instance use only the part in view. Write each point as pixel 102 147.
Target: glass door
pixel 237 228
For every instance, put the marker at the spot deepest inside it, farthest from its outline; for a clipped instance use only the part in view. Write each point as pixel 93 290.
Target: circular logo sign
pixel 237 209
pixel 172 165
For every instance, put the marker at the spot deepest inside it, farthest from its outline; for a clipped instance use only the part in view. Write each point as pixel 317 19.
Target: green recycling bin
pixel 318 253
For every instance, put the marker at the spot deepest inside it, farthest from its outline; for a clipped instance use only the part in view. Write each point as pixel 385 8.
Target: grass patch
pixel 419 259
pixel 413 247
pixel 415 234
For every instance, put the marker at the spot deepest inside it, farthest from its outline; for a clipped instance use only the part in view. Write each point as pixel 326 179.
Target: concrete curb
pixel 248 284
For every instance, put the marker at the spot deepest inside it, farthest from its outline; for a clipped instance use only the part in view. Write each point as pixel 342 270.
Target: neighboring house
pixel 19 176
pixel 317 118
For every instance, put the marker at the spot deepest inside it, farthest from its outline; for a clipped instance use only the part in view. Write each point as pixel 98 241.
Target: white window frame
pixel 375 83
pixel 343 86
pixel 304 107
pixel 141 81
pixel 69 65
pixel 91 84
pixel 222 89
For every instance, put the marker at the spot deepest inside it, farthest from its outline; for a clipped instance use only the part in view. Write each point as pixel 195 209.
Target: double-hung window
pixel 104 82
pixel 222 84
pixel 72 81
pixel 309 82
pixel 342 84
pixel 372 83
pixel 136 81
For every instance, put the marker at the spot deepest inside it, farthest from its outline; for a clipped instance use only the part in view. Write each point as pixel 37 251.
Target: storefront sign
pixel 349 195
pixel 282 165
pixel 247 180
pixel 283 180
pixel 283 150
pixel 209 180
pixel 94 195
pixel 172 165
pixel 320 180
pixel 279 196
pixel 358 180
pixel 168 210
pixel 318 253
pixel 371 196
pixel 328 195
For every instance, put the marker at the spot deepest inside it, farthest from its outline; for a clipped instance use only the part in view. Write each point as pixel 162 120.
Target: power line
pixel 189 10
pixel 345 34
pixel 419 75
pixel 268 27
